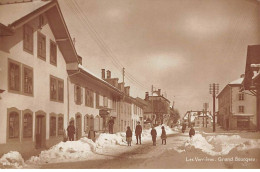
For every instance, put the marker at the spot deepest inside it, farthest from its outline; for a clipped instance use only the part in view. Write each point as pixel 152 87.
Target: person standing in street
pixel 191 132
pixel 71 131
pixel 138 132
pixel 110 125
pixel 154 135
pixel 163 136
pixel 92 134
pixel 129 136
pixel 183 127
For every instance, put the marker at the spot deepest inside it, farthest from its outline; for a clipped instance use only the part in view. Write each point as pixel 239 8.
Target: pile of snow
pixel 66 151
pixel 220 144
pixel 12 159
pixel 105 139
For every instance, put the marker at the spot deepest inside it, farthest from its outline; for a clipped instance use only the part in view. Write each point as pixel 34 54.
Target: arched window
pixel 27 125
pixel 13 125
pixel 60 125
pixel 52 125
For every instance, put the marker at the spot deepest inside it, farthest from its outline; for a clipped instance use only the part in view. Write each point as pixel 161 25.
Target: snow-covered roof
pixel 238 81
pixel 97 77
pixel 9 13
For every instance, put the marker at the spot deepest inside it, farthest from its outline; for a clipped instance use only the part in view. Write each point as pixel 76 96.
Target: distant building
pixel 236 110
pixel 198 118
pixel 252 77
pixel 158 109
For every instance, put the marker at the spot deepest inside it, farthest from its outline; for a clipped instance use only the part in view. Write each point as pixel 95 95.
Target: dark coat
pixel 192 132
pixel 71 130
pixel 138 129
pixel 128 133
pixel 153 133
pixel 163 136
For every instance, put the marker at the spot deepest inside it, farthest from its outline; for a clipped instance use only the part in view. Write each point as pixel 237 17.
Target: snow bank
pixel 105 139
pixel 65 151
pixel 12 159
pixel 220 144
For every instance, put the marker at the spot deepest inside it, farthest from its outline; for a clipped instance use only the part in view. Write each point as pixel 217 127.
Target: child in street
pixel 128 136
pixel 154 135
pixel 192 132
pixel 163 136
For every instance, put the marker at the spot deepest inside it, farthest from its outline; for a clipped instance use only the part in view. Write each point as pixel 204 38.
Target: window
pixel 53 53
pixel 241 109
pixel 60 90
pixel 14 76
pixel 53 88
pixel 97 100
pixel 27 125
pixel 56 89
pixel 28 38
pixel 52 126
pixel 78 94
pixel 241 96
pixel 27 80
pixel 60 125
pixel 41 46
pixel 13 125
pixel 89 98
pixel 105 101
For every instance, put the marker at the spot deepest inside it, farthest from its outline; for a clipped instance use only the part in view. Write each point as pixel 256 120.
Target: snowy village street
pixel 164 157
pixel 232 149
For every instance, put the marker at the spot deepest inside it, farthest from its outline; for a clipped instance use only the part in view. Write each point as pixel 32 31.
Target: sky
pixel 179 46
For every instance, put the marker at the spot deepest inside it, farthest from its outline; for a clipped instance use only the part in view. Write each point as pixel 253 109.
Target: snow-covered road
pixel 111 151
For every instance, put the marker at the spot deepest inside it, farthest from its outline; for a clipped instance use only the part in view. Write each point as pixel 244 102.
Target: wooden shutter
pixel 75 93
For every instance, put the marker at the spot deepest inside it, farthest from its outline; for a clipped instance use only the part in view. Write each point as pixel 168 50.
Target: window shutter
pixel 75 93
pixel 81 98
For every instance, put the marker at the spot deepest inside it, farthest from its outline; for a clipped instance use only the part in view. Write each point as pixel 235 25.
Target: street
pixel 146 156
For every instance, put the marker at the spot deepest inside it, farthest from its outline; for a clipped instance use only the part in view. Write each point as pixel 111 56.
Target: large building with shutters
pixel 44 85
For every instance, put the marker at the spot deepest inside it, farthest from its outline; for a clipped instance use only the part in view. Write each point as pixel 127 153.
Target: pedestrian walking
pixel 71 131
pixel 163 135
pixel 138 132
pixel 183 127
pixel 92 134
pixel 191 132
pixel 129 136
pixel 154 135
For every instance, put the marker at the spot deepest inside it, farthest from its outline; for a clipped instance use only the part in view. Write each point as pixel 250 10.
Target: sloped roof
pixel 13 16
pixel 237 82
pixel 10 13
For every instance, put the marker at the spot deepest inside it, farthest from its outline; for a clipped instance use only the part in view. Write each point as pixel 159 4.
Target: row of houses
pixel 44 85
pixel 239 101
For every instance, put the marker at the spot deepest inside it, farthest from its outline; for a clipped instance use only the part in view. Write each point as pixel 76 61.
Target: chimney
pixel 159 92
pixel 103 74
pixel 146 95
pixel 108 74
pixel 242 75
pixel 127 90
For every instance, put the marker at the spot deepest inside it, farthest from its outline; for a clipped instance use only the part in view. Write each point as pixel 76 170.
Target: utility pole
pixel 152 103
pixel 213 89
pixel 123 75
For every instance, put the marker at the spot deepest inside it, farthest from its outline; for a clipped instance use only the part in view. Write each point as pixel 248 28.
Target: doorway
pixel 78 127
pixel 40 131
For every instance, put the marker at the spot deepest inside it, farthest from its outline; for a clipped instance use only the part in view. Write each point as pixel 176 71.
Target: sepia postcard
pixel 129 84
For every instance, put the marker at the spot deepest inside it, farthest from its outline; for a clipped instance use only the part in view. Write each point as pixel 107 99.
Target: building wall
pixel 12 48
pixel 249 104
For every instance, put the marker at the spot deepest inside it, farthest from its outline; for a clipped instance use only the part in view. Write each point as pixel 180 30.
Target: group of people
pixel 138 133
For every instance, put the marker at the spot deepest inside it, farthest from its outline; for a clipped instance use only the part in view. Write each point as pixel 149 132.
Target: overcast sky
pixel 180 46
